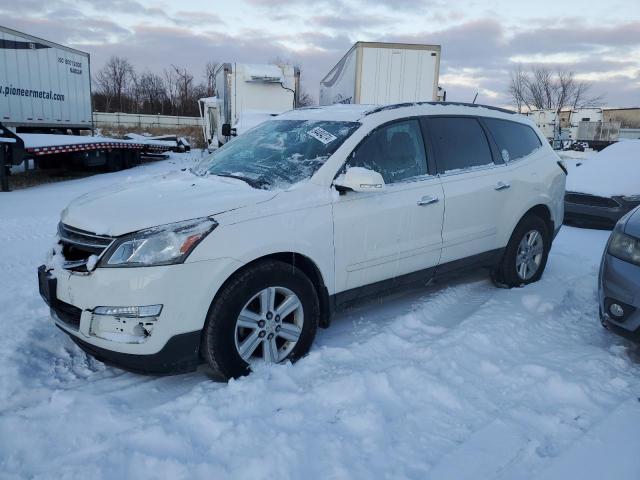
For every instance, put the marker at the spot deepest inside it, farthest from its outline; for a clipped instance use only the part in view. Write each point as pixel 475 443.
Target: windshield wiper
pixel 250 181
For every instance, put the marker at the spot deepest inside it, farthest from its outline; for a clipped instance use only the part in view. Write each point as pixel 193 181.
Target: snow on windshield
pixel 278 153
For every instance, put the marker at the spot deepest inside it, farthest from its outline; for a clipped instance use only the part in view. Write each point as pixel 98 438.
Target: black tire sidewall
pixel 508 271
pixel 218 345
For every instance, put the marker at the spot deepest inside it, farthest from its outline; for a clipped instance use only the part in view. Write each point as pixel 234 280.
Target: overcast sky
pixel 481 41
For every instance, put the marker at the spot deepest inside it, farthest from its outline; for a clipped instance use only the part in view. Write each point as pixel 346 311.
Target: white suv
pixel 241 258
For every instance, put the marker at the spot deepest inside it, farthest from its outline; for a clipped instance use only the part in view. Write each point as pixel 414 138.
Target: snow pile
pixel 458 380
pixel 613 171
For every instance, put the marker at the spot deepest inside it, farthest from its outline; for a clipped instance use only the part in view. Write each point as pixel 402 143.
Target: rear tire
pixel 525 257
pixel 220 346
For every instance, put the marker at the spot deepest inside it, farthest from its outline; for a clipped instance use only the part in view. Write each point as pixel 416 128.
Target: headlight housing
pixel 163 245
pixel 631 198
pixel 624 247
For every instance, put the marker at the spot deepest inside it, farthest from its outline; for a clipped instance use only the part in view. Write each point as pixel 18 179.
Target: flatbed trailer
pixel 46 144
pixel 51 151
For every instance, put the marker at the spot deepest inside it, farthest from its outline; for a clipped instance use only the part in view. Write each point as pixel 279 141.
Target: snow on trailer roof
pixel 259 72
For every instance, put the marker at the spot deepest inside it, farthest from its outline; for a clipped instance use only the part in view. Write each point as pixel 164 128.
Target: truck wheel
pixel 267 313
pixel 525 257
pixel 115 161
pixel 131 158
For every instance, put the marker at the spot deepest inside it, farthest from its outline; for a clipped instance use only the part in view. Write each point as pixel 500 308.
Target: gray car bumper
pixel 619 282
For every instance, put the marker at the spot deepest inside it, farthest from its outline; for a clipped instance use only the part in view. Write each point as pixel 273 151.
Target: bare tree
pixel 152 93
pixel 305 99
pixel 518 88
pixel 172 89
pixel 113 81
pixel 583 98
pixel 540 88
pixel 210 77
pixel 184 81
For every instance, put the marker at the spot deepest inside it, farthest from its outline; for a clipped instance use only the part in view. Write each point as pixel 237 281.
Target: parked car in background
pixel 605 187
pixel 619 279
pixel 241 259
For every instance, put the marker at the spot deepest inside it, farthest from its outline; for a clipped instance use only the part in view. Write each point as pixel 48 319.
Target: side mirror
pixel 227 131
pixel 359 179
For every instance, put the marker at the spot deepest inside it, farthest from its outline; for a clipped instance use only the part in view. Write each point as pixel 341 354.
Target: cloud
pixel 577 37
pixel 478 50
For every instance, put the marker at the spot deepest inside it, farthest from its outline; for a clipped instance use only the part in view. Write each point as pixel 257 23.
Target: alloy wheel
pixel 269 325
pixel 529 255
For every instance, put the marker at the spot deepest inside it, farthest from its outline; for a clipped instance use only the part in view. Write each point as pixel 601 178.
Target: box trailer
pixel 43 84
pixel 598 134
pixel 246 95
pixel 383 73
pixel 547 121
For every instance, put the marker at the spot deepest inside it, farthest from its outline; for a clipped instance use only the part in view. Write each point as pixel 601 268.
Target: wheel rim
pixel 269 325
pixel 529 256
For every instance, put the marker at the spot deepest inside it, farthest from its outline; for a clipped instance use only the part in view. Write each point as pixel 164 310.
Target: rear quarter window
pixel 514 140
pixel 460 143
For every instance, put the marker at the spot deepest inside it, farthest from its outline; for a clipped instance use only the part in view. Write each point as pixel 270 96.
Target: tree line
pixel 118 87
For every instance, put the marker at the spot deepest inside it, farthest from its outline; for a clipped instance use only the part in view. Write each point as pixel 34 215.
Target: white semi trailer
pixel 246 95
pixel 384 73
pixel 45 105
pixel 43 85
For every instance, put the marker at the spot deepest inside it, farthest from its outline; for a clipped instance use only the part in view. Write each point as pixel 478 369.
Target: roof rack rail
pixel 411 104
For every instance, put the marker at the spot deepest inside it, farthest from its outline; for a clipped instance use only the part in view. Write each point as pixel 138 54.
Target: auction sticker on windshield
pixel 322 135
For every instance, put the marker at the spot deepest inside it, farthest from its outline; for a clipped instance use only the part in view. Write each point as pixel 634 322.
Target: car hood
pixel 612 172
pixel 132 206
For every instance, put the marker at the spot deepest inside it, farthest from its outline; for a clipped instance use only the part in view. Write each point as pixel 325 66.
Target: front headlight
pixel 631 198
pixel 624 247
pixel 163 245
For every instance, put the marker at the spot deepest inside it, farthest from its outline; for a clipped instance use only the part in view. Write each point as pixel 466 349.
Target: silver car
pixel 619 279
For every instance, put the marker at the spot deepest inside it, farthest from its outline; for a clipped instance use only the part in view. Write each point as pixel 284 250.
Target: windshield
pixel 277 153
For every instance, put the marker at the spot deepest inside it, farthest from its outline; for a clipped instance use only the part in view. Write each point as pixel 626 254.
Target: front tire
pixel 525 257
pixel 268 312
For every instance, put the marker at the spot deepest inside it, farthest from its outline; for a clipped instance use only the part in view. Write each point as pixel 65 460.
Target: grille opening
pixel 78 245
pixel 73 253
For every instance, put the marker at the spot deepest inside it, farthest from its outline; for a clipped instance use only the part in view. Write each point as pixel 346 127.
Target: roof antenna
pixel 474 99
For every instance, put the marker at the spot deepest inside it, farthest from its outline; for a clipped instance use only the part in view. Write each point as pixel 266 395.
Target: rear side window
pixel 514 140
pixel 460 143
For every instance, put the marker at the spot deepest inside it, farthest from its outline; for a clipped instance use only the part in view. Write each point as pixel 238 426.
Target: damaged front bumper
pixel 146 319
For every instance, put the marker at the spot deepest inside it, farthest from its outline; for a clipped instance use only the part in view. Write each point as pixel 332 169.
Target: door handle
pixel 502 186
pixel 428 200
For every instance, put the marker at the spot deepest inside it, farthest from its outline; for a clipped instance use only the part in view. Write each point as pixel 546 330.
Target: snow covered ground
pixel 459 380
